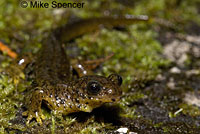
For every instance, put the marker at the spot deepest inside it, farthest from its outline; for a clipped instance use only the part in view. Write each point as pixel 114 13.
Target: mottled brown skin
pixel 54 84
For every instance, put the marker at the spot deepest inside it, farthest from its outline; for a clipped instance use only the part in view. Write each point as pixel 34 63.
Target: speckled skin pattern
pixel 54 83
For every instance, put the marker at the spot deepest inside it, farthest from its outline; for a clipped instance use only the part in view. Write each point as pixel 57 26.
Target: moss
pixel 145 58
pixel 6 87
pixel 10 101
pixel 138 58
pixel 190 110
pixel 92 129
pixel 129 111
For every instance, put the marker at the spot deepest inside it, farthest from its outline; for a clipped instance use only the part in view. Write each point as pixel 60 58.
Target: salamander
pixel 54 83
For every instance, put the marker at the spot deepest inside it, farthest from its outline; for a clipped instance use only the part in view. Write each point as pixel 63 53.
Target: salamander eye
pixel 115 78
pixel 93 87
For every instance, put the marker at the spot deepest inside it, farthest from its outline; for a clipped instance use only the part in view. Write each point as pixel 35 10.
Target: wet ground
pixel 159 62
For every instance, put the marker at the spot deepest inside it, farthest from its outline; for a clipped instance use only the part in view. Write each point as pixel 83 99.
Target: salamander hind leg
pixel 34 107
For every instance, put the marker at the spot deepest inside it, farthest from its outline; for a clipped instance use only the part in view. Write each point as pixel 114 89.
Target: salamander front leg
pixel 85 67
pixel 34 107
pixel 92 64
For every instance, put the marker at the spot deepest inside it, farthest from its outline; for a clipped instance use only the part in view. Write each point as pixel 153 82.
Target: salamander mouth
pixel 110 99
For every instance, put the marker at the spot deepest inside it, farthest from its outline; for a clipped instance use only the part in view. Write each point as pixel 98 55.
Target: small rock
pixel 132 133
pixel 175 70
pixel 122 130
pixel 192 72
pixel 194 39
pixel 176 51
pixel 58 11
pixel 160 77
pixel 192 99
pixel 171 84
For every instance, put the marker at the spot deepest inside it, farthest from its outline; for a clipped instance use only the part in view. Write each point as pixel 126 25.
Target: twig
pixel 6 49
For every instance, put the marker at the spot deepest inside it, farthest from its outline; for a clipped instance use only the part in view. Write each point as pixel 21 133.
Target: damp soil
pixel 159 62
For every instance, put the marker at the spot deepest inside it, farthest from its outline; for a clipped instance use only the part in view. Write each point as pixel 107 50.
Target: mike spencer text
pixel 53 4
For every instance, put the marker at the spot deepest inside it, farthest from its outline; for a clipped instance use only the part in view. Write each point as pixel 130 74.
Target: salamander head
pixel 96 90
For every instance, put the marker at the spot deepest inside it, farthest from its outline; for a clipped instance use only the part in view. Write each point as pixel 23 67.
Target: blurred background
pixel 159 61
